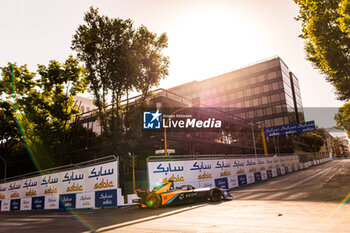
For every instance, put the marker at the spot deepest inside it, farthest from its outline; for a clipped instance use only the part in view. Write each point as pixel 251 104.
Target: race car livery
pixel 166 194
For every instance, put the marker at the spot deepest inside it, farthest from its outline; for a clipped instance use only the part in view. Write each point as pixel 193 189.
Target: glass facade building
pixel 266 93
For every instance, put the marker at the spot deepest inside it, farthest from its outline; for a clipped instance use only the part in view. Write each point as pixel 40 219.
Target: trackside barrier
pixel 92 184
pixel 224 172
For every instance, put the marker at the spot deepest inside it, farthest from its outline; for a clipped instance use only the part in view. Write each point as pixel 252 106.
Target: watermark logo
pixel 151 120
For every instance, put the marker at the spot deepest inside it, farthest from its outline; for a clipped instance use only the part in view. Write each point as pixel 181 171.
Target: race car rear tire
pixel 215 195
pixel 153 200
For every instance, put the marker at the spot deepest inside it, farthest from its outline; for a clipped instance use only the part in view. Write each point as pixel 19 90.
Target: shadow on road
pixel 328 182
pixel 99 220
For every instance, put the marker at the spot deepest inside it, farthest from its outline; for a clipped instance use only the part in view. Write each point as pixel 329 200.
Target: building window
pixel 278 121
pixel 275 86
pixel 248 92
pixel 248 103
pixel 275 98
pixel 264 100
pixel 271 75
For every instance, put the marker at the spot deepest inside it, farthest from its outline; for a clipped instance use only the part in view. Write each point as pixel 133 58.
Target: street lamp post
pixel 253 135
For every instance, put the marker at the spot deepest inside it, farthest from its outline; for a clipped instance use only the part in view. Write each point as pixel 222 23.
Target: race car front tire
pixel 215 195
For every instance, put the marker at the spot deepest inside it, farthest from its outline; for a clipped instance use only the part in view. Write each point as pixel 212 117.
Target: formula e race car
pixel 166 194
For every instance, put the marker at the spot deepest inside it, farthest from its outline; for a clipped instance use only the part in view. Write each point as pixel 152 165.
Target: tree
pixel 44 106
pixel 118 59
pixel 326 31
pixel 313 142
pixel 343 118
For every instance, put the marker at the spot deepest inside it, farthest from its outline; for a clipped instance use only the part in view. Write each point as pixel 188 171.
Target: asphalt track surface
pixel 304 201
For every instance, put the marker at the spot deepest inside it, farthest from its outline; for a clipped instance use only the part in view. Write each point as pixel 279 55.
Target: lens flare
pixel 30 150
pixel 341 205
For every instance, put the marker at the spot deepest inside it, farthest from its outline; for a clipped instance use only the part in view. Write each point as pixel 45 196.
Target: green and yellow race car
pixel 166 194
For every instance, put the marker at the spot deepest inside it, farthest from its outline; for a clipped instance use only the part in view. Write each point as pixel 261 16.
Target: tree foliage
pixel 326 31
pixel 118 59
pixel 313 142
pixel 43 105
pixel 343 118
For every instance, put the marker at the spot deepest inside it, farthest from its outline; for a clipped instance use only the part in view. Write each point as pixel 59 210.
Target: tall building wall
pixel 266 93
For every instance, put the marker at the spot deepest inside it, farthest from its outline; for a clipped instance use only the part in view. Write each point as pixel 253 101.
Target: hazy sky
pixel 206 38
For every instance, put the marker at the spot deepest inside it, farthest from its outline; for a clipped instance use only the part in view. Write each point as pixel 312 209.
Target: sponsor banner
pixel 49 184
pixel 269 163
pixel 200 170
pixel 242 180
pixel 289 129
pixel 106 198
pixel 232 182
pixel 86 200
pixel 51 202
pixel 261 164
pixel 5 205
pixel 283 171
pixel 239 166
pixel 250 178
pixel 207 183
pixel 26 203
pixel 274 172
pixel 221 183
pixel 269 174
pixel 222 168
pixel 257 176
pixel 15 204
pixel 263 175
pixel 102 177
pixel 162 172
pixel 293 168
pixel 67 201
pixel 286 170
pixel 251 166
pixel 72 181
pixel 4 193
pixel 38 203
pixel 30 187
pixel 15 190
pixel 279 173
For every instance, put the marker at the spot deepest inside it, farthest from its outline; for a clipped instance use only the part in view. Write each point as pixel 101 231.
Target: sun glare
pixel 211 40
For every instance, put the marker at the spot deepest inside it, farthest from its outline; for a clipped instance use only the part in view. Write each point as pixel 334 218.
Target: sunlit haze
pixel 206 38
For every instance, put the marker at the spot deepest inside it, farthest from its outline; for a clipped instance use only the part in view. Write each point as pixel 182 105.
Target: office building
pixel 266 93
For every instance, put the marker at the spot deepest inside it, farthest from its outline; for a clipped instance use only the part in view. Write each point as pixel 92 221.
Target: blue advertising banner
pixel 290 129
pixel 286 169
pixel 242 179
pixel 293 168
pixel 106 198
pixel 279 171
pixel 67 201
pixel 38 203
pixel 221 183
pixel 257 176
pixel 15 204
pixel 269 174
